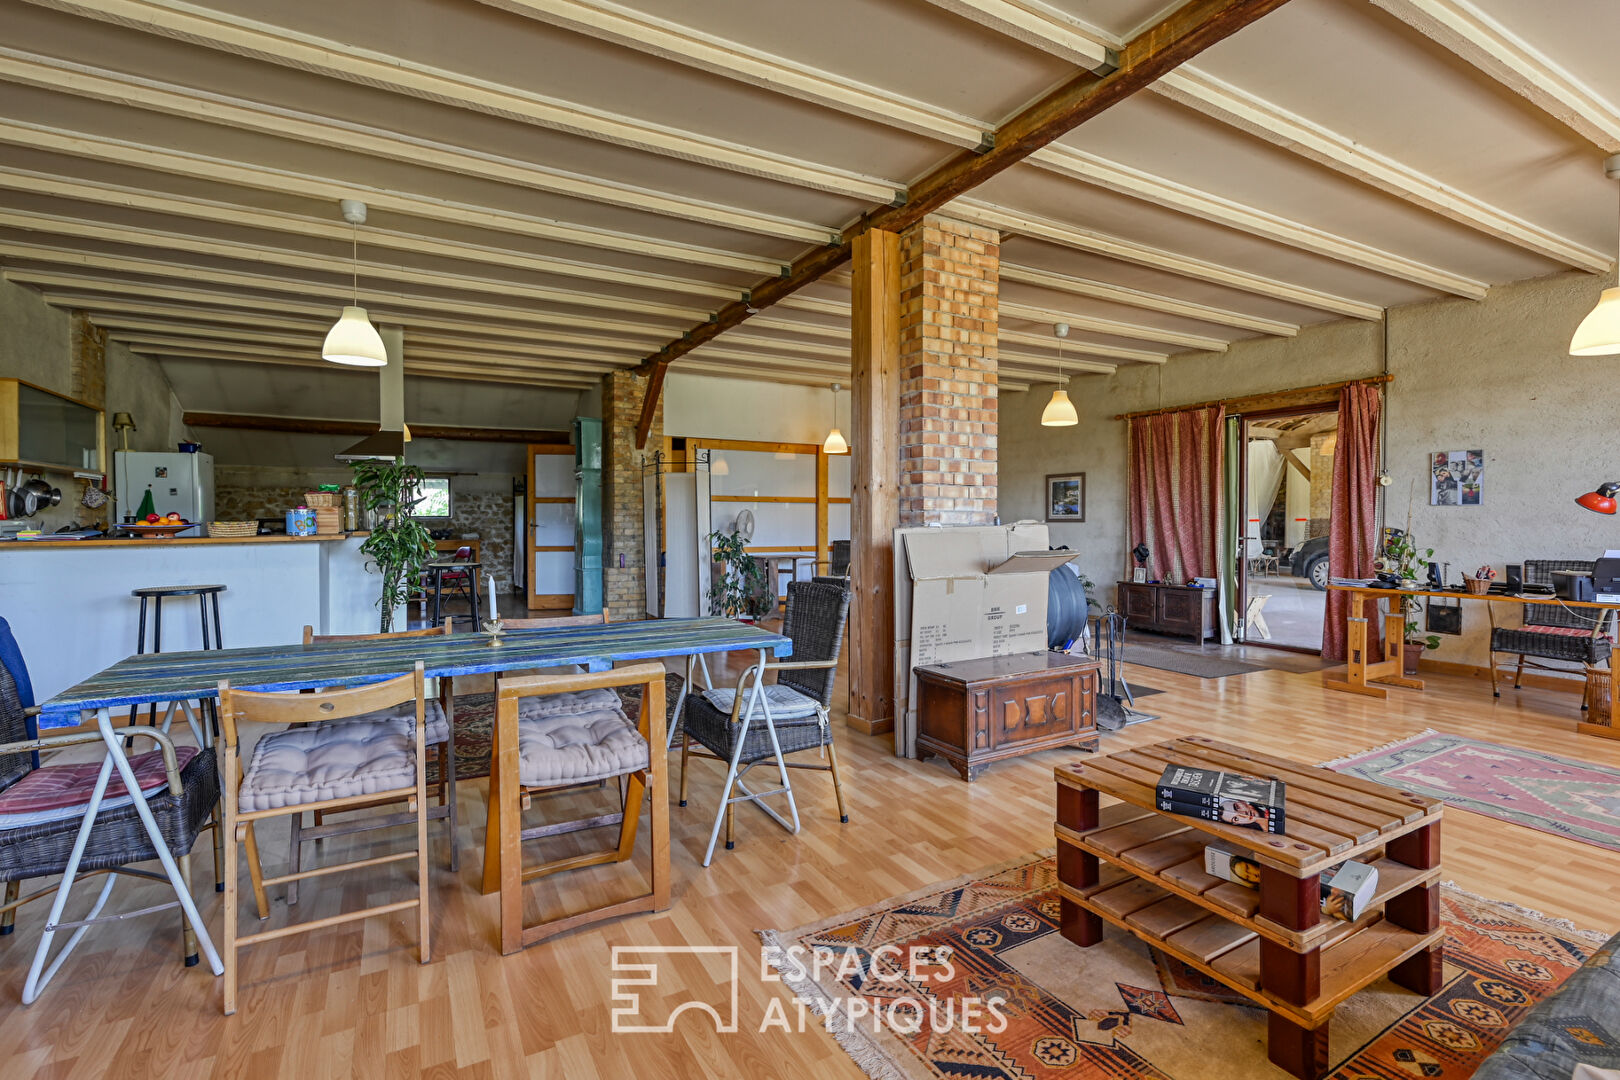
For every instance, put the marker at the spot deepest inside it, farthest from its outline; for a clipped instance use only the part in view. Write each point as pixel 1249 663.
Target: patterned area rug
pixel 1542 791
pixel 1122 1011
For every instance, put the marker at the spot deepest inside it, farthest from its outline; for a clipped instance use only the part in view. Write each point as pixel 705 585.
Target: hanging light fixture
pixel 352 339
pixel 1059 412
pixel 835 443
pixel 1599 332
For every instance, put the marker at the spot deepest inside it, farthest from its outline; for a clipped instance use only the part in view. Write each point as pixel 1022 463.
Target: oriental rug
pixel 1122 1011
pixel 1553 794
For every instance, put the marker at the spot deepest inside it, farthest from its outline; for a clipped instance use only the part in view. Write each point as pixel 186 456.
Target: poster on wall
pixel 1456 478
pixel 1066 497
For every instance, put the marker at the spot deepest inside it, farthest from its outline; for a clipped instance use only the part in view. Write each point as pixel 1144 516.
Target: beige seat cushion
pixel 438 728
pixel 337 759
pixel 784 702
pixel 574 701
pixel 579 745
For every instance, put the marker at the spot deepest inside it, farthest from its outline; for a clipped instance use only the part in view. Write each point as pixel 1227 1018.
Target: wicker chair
pixel 1552 631
pixel 754 722
pixel 42 810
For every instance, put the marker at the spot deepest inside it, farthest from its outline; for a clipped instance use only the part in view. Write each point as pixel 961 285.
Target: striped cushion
pixel 784 702
pixel 54 792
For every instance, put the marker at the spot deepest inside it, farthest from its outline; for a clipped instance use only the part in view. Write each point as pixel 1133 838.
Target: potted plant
pixel 398 544
pixel 1414 644
pixel 735 591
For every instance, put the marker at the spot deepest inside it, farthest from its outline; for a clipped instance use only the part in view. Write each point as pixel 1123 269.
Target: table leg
pixel 491 882
pixel 1077 809
pixel 437 585
pixel 1294 977
pixel 1418 910
pixel 1298 1050
pixel 680 701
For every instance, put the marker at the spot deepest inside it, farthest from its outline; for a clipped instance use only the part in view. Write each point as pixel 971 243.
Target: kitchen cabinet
pixel 40 429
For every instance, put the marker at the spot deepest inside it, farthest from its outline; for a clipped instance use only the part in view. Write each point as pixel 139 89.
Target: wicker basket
pixel 317 500
pixel 233 528
pixel 1599 698
pixel 1478 585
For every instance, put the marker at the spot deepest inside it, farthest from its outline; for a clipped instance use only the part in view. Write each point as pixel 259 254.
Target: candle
pixel 494 612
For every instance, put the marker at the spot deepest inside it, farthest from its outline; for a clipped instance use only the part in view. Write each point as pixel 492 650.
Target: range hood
pixel 378 446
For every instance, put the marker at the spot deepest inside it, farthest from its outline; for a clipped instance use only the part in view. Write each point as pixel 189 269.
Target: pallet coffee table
pixel 1143 871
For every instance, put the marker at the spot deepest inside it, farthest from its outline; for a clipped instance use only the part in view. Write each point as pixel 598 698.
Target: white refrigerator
pixel 179 482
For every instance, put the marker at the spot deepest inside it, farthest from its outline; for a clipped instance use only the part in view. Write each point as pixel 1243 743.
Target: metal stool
pixel 206 595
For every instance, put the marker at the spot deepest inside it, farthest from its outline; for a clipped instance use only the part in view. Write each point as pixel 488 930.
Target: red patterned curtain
pixel 1175 501
pixel 1353 527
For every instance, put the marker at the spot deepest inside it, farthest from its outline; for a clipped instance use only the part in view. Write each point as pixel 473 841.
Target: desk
pixel 1370 677
pixel 188 676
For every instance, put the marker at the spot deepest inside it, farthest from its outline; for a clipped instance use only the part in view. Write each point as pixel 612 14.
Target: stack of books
pixel 1346 889
pixel 1248 802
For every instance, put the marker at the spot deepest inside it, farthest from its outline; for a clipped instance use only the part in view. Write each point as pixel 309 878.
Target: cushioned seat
pixel 338 759
pixel 54 792
pixel 438 728
pixel 784 702
pixel 578 746
pixel 1572 643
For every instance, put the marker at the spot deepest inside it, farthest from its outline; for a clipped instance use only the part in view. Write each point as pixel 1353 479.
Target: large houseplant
pixel 398 544
pixel 734 592
pixel 1403 559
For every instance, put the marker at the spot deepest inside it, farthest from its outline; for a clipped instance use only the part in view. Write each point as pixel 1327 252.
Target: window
pixel 433 498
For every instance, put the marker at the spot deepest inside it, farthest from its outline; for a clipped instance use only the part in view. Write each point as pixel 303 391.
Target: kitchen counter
pixel 178 541
pixel 69 602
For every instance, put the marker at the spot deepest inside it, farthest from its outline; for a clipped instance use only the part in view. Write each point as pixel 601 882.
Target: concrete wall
pixel 709 407
pixel 1492 375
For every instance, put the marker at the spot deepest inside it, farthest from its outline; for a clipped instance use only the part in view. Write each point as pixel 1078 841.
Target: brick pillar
pixel 950 276
pixel 87 362
pixel 624 551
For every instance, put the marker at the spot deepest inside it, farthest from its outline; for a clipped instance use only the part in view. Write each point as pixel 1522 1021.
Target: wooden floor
pixel 354 1001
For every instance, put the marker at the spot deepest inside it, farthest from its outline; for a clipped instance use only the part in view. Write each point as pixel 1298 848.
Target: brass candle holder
pixel 494 628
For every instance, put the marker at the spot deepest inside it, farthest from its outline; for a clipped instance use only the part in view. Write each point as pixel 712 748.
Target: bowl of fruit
pixel 158 526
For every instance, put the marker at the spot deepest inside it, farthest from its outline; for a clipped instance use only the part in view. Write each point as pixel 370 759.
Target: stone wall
pixel 949 286
pixel 624 535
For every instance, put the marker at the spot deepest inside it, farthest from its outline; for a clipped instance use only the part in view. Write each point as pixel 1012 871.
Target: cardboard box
pixel 962 593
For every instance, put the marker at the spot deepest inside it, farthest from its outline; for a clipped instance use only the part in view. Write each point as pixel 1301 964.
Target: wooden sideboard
pixel 973 712
pixel 1168 609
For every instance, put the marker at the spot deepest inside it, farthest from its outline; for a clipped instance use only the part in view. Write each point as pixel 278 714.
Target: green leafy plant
pixel 398 544
pixel 736 590
pixel 1402 557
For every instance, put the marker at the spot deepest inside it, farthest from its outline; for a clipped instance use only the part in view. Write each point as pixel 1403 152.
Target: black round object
pixel 1066 607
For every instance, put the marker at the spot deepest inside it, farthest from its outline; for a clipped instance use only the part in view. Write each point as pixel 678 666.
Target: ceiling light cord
pixel 354 260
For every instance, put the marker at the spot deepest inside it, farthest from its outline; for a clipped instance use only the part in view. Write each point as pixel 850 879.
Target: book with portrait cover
pixel 1249 802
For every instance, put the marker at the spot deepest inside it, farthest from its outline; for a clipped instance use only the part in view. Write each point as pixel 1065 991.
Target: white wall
pixel 709 407
pixel 1493 374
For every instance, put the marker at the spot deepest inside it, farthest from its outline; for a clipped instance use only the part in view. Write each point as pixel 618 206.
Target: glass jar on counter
pixel 351 508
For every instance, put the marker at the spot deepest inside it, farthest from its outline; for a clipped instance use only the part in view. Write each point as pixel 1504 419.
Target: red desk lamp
pixel 1602 500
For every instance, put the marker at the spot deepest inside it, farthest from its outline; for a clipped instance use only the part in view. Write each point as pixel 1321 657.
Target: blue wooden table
pixel 195 676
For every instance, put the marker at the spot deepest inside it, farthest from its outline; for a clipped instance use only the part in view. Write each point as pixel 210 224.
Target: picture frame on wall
pixel 1066 497
pixel 1456 478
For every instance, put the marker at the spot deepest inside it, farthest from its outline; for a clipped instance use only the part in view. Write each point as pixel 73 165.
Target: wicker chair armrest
pixel 48 741
pixel 31 710
pixel 170 764
pixel 790 665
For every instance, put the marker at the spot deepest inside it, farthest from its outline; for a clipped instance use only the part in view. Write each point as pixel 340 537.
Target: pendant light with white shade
pixel 1599 332
pixel 352 339
pixel 1060 411
pixel 835 443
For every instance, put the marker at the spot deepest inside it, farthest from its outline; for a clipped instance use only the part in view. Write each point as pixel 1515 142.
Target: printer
pixel 1573 585
pixel 1606 579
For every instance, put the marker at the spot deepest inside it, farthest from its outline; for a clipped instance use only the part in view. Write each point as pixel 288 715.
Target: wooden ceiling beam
pixel 250 355
pixel 1114 247
pixel 1114 328
pixel 1041 26
pixel 389 303
pixel 1350 157
pixel 300 260
pixel 1160 48
pixel 1463 29
pixel 1183 198
pixel 283 182
pixel 302 425
pixel 1073 347
pixel 327 230
pixel 242 36
pixel 173 99
pixel 1118 294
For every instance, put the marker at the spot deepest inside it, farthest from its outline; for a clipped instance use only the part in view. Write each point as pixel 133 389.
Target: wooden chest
pixel 973 712
pixel 1168 609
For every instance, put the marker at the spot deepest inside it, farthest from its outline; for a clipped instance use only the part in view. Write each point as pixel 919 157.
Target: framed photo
pixel 1457 478
pixel 1066 497
pixel 1139 575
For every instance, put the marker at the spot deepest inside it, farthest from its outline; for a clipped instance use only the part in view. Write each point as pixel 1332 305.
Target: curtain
pixel 1231 535
pixel 1176 492
pixel 1353 526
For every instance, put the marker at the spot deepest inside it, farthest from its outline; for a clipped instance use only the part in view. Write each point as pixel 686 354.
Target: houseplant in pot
pixel 1414 644
pixel 739 581
pixel 398 544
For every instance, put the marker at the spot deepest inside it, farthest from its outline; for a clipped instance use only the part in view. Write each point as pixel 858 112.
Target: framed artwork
pixel 1456 478
pixel 1066 497
pixel 1139 575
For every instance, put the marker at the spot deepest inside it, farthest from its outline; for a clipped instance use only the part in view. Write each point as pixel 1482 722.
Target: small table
pixel 436 571
pixel 973 712
pixel 1142 870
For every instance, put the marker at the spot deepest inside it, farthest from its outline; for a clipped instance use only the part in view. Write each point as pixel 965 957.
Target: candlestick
pixel 494 612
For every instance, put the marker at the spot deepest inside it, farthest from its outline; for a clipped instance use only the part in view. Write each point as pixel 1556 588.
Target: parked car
pixel 1311 562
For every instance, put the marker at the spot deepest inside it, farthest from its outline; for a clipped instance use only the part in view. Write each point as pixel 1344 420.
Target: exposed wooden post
pixel 822 494
pixel 874 487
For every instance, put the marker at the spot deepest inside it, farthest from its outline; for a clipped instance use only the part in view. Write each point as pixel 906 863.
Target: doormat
pixel 1122 1011
pixel 1165 659
pixel 1545 792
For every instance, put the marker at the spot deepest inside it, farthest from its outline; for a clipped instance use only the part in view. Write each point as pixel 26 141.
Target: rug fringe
pixel 1566 925
pixel 854 1040
pixel 1425 733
